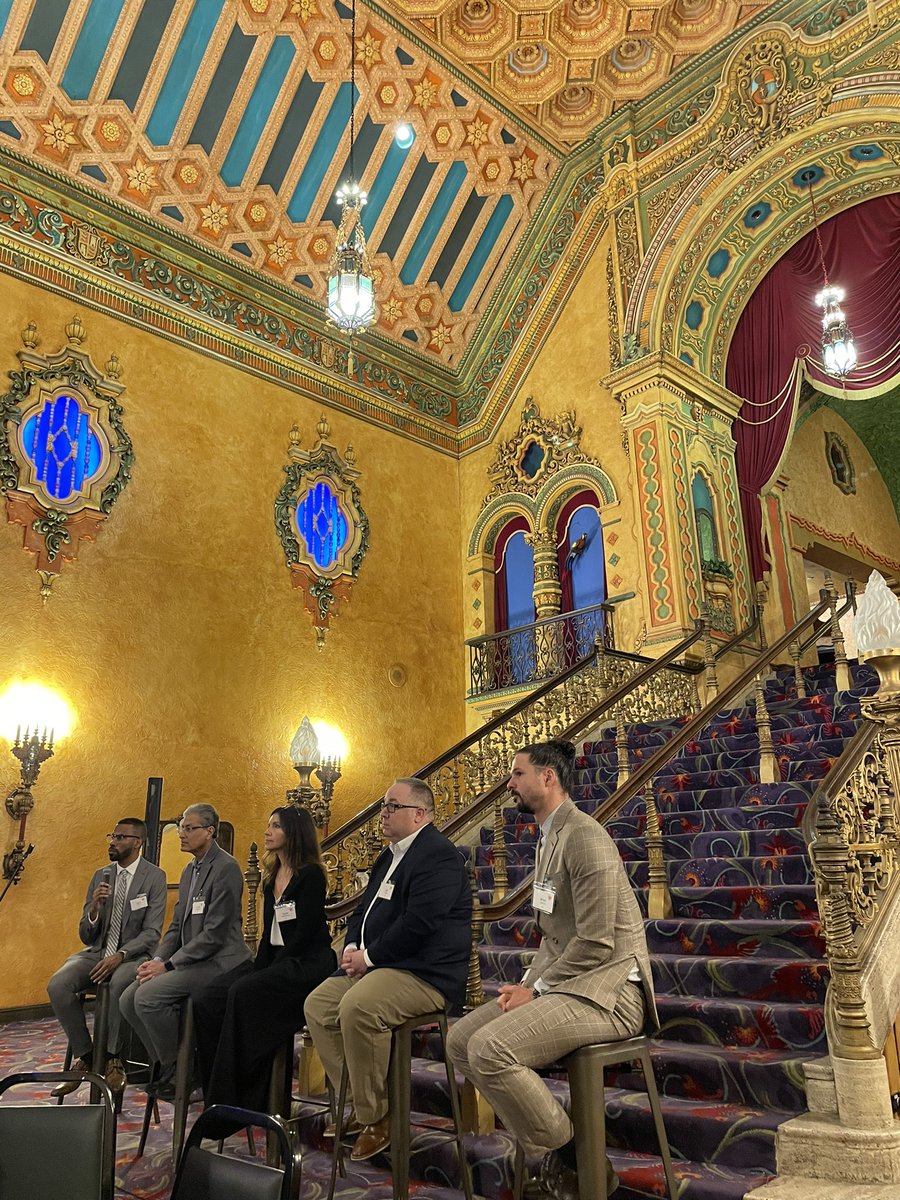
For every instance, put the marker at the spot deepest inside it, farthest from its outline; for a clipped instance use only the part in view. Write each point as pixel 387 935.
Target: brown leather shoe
pixel 351 1127
pixel 70 1085
pixel 372 1140
pixel 115 1074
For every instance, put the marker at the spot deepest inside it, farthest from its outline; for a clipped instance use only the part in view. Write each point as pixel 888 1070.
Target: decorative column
pixel 547 588
pixel 677 421
pixel 547 603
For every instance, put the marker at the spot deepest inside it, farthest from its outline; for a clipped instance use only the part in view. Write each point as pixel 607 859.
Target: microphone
pixel 107 877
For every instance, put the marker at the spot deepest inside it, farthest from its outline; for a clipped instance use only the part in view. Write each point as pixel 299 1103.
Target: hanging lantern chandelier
pixel 351 283
pixel 838 350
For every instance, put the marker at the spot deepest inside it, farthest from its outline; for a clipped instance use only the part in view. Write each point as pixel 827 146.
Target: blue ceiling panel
pixel 479 255
pixel 298 116
pixel 93 40
pixel 180 76
pixel 258 110
pixel 142 49
pixel 43 26
pixel 434 219
pixel 224 84
pixel 324 150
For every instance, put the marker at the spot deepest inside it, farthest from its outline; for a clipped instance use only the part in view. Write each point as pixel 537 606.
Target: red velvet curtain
pixel 782 324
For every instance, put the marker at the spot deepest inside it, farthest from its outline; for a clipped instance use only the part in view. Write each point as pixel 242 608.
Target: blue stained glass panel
pixel 322 524
pixel 62 447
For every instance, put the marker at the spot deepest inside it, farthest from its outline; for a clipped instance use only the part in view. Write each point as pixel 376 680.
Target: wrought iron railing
pixel 532 653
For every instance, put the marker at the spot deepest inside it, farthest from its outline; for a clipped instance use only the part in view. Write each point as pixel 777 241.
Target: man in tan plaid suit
pixel 589 982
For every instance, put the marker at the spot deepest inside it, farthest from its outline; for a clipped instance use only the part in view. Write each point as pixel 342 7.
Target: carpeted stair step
pixel 714 1021
pixel 779 870
pixel 790 980
pixel 727 1135
pixel 700 820
pixel 750 903
pixel 721 757
pixel 722 1074
pixel 725 843
pixel 800 939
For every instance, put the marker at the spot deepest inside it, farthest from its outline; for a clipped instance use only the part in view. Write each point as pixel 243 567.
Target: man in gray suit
pixel 589 982
pixel 203 940
pixel 122 919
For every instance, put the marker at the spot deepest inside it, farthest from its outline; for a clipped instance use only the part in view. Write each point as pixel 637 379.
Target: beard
pixel 523 806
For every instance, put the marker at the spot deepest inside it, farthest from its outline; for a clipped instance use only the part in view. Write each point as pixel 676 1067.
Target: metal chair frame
pixel 400 1100
pixel 276 1132
pixel 587 1090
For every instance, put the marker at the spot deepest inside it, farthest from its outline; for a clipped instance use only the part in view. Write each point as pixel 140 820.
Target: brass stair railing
pixel 640 781
pixel 471 776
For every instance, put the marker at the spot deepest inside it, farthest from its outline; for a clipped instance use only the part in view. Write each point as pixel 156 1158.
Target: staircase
pixel 739 968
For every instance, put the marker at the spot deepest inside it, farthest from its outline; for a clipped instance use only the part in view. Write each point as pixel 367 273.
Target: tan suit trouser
pixel 353 1019
pixel 497 1051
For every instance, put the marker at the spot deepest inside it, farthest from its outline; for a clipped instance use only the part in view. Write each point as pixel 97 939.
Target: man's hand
pixel 101 893
pixel 354 964
pixel 106 967
pixel 513 995
pixel 150 970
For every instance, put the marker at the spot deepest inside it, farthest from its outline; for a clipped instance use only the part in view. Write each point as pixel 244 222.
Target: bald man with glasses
pixel 406 953
pixel 124 910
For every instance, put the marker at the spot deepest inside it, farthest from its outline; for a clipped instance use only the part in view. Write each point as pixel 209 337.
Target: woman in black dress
pixel 245 1016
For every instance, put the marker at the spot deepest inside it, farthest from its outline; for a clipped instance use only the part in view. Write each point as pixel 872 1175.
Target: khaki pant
pixel 497 1051
pixel 351 1020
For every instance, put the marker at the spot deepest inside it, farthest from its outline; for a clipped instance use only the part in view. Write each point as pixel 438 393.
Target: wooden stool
pixel 99 993
pixel 588 1111
pixel 399 1101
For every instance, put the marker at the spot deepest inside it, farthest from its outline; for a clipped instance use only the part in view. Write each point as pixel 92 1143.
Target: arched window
pixel 704 517
pixel 582 570
pixel 513 659
pixel 514 577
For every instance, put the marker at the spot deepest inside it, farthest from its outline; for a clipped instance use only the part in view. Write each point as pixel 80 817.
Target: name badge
pixel 198 908
pixel 543 898
pixel 386 891
pixel 137 902
pixel 286 911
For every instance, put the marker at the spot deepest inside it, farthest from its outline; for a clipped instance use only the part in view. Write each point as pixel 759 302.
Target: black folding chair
pixel 206 1175
pixel 47 1150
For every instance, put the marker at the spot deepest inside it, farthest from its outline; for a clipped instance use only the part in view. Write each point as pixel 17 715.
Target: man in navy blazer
pixel 122 919
pixel 204 939
pixel 406 953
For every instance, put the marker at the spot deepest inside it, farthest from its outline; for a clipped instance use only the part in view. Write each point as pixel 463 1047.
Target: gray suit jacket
pixel 595 935
pixel 141 927
pixel 214 935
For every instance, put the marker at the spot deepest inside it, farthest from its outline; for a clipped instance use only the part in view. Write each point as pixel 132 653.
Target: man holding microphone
pixel 122 919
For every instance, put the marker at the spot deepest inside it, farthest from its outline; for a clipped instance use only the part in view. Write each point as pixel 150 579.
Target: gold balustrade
pixel 470 778
pixel 641 781
pixel 855 851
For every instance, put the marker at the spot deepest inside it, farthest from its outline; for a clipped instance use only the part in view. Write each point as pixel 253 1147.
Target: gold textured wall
pixel 854 524
pixel 179 640
pixel 567 373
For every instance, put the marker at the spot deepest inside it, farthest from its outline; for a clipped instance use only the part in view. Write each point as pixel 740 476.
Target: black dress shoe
pixel 556 1181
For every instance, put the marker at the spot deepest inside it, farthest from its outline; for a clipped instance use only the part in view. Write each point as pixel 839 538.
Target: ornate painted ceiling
pixel 228 121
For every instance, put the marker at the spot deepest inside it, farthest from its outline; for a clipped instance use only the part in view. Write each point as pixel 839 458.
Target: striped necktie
pixel 115 924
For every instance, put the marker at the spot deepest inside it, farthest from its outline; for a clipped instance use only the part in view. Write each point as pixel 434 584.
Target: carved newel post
pixel 877 629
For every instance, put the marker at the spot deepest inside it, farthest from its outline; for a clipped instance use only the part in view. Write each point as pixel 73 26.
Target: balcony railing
pixel 536 652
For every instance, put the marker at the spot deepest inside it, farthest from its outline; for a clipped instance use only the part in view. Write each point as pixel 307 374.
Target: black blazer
pixel 426 926
pixel 307 935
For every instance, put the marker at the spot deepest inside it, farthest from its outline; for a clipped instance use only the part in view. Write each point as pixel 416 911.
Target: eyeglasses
pixel 191 828
pixel 391 806
pixel 122 837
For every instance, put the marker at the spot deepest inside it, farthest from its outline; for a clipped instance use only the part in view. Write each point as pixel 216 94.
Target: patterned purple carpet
pixel 739 972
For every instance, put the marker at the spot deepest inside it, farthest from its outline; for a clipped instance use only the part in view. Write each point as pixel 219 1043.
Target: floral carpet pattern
pixel 739 972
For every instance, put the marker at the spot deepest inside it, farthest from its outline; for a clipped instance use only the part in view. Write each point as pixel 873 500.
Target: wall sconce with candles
pixel 318 752
pixel 45 717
